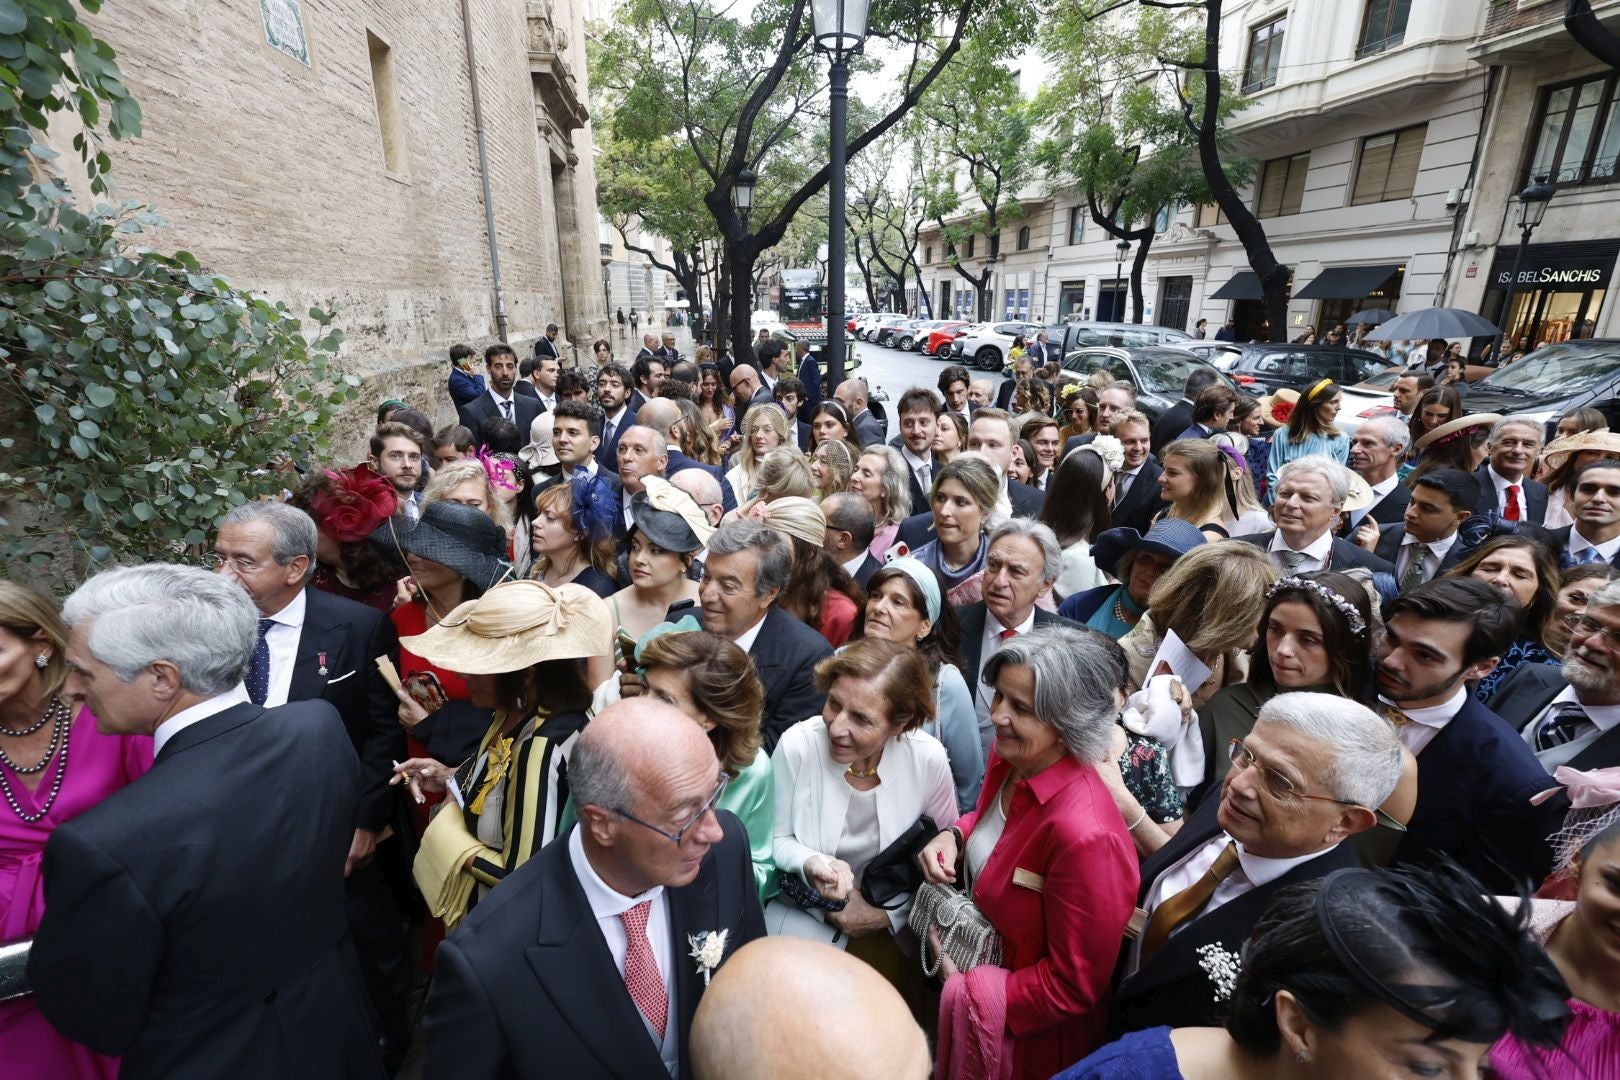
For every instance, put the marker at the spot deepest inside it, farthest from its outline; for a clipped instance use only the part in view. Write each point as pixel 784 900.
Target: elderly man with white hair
pixel 1376 451
pixel 1305 779
pixel 1310 495
pixel 195 919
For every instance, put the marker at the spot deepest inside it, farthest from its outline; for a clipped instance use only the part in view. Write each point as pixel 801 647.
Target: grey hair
pixel 1075 678
pixel 1605 595
pixel 596 777
pixel 1043 537
pixel 774 553
pixel 1390 431
pixel 1514 421
pixel 203 623
pixel 896 483
pixel 1366 754
pixel 1337 476
pixel 660 444
pixel 293 530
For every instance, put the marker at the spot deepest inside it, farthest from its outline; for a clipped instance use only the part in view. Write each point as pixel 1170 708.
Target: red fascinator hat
pixel 353 503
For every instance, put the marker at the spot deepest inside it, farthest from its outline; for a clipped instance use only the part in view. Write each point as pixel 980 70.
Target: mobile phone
pixel 426 690
pixel 627 648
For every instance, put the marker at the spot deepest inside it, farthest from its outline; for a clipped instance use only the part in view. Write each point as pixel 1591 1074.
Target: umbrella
pixel 1372 317
pixel 1434 322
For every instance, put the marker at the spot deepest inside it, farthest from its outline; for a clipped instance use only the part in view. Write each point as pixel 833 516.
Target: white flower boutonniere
pixel 1221 967
pixel 708 950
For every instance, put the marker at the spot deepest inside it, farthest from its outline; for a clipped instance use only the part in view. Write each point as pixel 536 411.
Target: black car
pixel 1158 373
pixel 1261 368
pixel 1551 381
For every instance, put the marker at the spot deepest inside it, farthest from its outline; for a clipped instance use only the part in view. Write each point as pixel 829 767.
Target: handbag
pixel 893 874
pixel 802 896
pixel 965 935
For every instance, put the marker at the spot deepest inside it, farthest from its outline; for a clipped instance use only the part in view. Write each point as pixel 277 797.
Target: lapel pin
pixel 321 659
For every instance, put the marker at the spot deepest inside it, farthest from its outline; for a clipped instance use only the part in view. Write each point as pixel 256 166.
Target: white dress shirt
pixel 745 640
pixel 1438 550
pixel 505 407
pixel 1578 543
pixel 987 645
pixel 282 640
pixel 1502 483
pixel 607 905
pixel 1429 722
pixel 1316 552
pixel 1379 490
pixel 1123 482
pixel 1603 718
pixel 183 719
pixel 916 465
pixel 854 564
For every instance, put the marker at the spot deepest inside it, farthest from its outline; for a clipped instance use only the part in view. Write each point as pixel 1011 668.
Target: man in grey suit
pixel 1310 495
pixel 853 395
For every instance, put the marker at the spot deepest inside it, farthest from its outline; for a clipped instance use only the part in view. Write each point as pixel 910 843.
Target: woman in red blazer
pixel 1048 860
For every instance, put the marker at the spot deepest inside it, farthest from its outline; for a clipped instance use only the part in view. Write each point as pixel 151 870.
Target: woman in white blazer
pixel 848 784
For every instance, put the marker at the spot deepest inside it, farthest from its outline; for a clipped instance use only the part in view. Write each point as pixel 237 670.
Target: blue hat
pixel 1168 536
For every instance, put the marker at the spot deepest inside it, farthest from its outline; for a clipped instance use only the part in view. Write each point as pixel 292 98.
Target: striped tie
pixel 1562 725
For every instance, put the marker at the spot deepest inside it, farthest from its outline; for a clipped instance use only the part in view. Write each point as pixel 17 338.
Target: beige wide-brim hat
pixel 1360 496
pixel 1269 403
pixel 516 625
pixel 1451 427
pixel 1560 450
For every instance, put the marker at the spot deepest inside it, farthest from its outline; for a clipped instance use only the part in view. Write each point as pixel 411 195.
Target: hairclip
pixel 1358 625
pixel 500 468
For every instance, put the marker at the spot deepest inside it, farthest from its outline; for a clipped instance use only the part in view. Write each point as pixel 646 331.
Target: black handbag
pixel 893 874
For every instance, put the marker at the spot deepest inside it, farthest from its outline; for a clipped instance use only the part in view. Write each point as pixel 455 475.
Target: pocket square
pixel 339 679
pixel 1029 879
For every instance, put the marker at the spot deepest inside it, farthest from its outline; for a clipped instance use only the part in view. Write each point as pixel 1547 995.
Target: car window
pixel 1164 371
pixel 1362 366
pixel 1086 364
pixel 1557 369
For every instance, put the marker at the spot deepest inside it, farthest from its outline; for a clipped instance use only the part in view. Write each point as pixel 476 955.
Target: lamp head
pixel 840 25
pixel 742 190
pixel 1533 202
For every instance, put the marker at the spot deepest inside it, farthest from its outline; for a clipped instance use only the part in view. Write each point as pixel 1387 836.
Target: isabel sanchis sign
pixel 1572 267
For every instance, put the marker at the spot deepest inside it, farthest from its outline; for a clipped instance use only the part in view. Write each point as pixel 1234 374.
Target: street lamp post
pixel 1121 249
pixel 1533 202
pixel 742 200
pixel 987 305
pixel 840 27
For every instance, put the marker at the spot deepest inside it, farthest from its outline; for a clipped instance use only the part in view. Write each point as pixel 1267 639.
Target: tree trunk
pixel 740 270
pixel 722 301
pixel 1144 240
pixel 1589 33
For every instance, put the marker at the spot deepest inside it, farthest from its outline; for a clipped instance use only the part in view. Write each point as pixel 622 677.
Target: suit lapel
pixel 693 910
pixel 316 636
pixel 1197 831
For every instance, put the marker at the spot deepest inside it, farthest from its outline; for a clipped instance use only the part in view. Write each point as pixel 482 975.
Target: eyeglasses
pixel 1588 627
pixel 1276 784
pixel 679 835
pixel 213 560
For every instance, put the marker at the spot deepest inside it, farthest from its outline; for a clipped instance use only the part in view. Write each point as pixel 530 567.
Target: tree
pixel 144 395
pixel 650 184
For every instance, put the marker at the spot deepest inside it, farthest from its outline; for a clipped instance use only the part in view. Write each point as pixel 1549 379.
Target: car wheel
pixel 925 350
pixel 905 343
pixel 987 359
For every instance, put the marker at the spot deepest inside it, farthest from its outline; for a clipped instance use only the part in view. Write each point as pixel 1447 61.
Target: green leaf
pixel 100 395
pixel 13 19
pixel 44 413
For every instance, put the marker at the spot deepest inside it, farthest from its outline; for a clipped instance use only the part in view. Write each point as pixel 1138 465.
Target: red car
pixel 941 338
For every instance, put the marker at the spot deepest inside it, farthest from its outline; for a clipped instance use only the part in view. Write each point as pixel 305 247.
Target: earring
pixel 42 661
pixel 1303 1057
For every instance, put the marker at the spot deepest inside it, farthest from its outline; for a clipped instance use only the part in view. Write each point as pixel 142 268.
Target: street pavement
pixel 894 372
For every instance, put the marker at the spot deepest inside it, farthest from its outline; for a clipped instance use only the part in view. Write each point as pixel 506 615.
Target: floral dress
pixel 1523 651
pixel 1145 768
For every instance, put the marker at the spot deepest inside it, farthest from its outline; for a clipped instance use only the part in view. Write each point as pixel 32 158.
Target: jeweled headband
pixel 1358 625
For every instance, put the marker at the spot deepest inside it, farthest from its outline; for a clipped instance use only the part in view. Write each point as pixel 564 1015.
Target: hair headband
pixel 1313 391
pixel 1358 625
pixel 925 581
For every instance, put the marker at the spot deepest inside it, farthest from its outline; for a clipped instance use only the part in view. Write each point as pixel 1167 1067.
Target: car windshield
pixel 1557 370
pixel 1165 371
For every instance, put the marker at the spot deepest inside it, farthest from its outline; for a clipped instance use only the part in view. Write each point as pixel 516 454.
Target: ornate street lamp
pixel 1533 202
pixel 1121 250
pixel 742 194
pixel 840 27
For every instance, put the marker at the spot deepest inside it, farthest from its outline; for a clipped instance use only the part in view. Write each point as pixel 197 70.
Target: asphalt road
pixel 894 372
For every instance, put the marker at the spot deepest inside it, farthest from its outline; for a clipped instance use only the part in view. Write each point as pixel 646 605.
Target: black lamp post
pixel 1121 249
pixel 987 301
pixel 742 201
pixel 1533 202
pixel 840 27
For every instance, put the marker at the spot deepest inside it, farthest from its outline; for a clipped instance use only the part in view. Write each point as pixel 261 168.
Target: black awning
pixel 1245 285
pixel 1346 282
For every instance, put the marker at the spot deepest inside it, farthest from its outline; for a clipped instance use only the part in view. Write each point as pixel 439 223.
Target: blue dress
pixel 1141 1055
pixel 1283 450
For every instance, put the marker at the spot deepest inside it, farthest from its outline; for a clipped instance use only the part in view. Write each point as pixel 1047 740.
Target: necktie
pixel 258 672
pixel 1512 512
pixel 607 433
pixel 1122 485
pixel 1562 725
pixel 1394 715
pixel 1008 633
pixel 1590 555
pixel 1291 560
pixel 1177 909
pixel 1412 576
pixel 925 476
pixel 506 410
pixel 641 976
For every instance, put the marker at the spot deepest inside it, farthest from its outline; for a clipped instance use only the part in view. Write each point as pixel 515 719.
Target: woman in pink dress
pixel 54 764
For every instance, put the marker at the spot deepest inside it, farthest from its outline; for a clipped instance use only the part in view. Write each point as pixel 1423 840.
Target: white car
pixel 1367 399
pixel 985 345
pixel 865 324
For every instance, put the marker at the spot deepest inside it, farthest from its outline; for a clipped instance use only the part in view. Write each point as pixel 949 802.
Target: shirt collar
pixel 1604 716
pixel 1440 547
pixel 1579 543
pixel 1503 483
pixel 605 901
pixel 854 564
pixel 993 626
pixel 1262 871
pixel 745 640
pixel 1386 485
pixel 1434 716
pixel 508 398
pixel 293 614
pixel 1317 549
pixel 183 719
pixel 913 460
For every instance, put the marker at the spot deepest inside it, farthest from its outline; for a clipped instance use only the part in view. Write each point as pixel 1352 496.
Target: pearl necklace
pixel 59 738
pixel 44 718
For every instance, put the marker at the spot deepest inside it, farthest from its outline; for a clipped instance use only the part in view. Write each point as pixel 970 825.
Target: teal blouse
pixel 1336 447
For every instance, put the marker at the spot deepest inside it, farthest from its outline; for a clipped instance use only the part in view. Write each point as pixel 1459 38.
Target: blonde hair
pixel 1210 481
pixel 697 437
pixel 896 485
pixel 449 477
pixel 784 472
pixel 1212 596
pixel 838 458
pixel 25 611
pixel 778 421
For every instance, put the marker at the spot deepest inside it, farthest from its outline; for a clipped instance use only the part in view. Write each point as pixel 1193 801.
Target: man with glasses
pixel 1476 776
pixel 1305 779
pixel 591 958
pixel 1571 715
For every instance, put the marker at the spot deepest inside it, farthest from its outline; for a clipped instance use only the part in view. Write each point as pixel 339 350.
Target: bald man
pixel 854 396
pixel 664 417
pixel 773 1012
pixel 579 963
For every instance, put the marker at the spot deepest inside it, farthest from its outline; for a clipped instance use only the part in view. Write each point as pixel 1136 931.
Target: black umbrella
pixel 1371 317
pixel 1434 322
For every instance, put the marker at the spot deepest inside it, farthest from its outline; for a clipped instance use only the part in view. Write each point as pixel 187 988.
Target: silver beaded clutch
pixel 965 935
pixel 14 969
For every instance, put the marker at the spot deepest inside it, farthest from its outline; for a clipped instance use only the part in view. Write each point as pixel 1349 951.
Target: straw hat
pixel 1560 450
pixel 516 625
pixel 1360 495
pixel 1276 406
pixel 1452 427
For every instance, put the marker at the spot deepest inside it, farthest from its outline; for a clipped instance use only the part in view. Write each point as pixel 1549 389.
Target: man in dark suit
pixel 501 401
pixel 540 374
pixel 954 386
pixel 918 411
pixel 1310 496
pixel 1168 428
pixel 1475 774
pixel 1376 451
pixel 1424 545
pixel 649 374
pixel 613 385
pixel 1594 502
pixel 317 646
pixel 850 527
pixel 195 919
pixel 789 394
pixel 1571 715
pixel 809 372
pixel 745 571
pixel 1041 351
pixel 1137 497
pixel 465 385
pixel 580 963
pixel 1214 879
pixel 1022 368
pixel 852 394
pixel 547 345
pixel 1504 482
pixel 576 432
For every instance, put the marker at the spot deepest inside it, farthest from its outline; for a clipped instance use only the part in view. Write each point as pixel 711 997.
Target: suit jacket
pixel 679 461
pixel 1168 427
pixel 1390 510
pixel 544 346
pixel 607 452
pixel 972 619
pixel 1344 553
pixel 1141 503
pixel 919 497
pixel 1533 496
pixel 194 919
pixel 1475 780
pixel 785 656
pixel 526 986
pixel 350 636
pixel 1525 694
pixel 1390 539
pixel 464 388
pixel 864 572
pixel 1560 540
pixel 810 376
pixel 637 400
pixel 868 432
pixel 525 408
pixel 1172 987
pixel 1026 501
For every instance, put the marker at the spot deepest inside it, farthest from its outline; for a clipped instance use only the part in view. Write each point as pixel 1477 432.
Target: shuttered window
pixel 1282 186
pixel 1388 166
pixel 1383 26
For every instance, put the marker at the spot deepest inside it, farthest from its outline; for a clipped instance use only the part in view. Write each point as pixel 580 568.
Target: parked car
pixel 908 338
pixel 939 339
pixel 1368 398
pixel 868 322
pixel 1158 372
pixel 884 329
pixel 1079 335
pixel 1551 381
pixel 986 346
pixel 1261 368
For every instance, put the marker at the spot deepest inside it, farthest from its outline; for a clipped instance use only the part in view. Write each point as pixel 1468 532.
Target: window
pixel 1023 238
pixel 383 88
pixel 1282 186
pixel 1077 224
pixel 1577 132
pixel 928 255
pixel 1265 49
pixel 1384 25
pixel 950 249
pixel 1388 165
pixel 1210 214
pixel 971 239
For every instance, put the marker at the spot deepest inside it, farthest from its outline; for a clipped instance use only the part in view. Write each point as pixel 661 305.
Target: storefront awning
pixel 1346 282
pixel 1245 285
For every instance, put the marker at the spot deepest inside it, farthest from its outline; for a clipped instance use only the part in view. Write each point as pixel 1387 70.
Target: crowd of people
pixel 686 721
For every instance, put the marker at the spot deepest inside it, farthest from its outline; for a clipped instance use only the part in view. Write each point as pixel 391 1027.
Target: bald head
pixel 852 394
pixel 660 414
pixel 744 379
pixel 768 1013
pixel 705 491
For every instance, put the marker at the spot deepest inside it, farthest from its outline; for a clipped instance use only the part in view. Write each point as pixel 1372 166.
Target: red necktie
pixel 1007 633
pixel 641 976
pixel 1512 513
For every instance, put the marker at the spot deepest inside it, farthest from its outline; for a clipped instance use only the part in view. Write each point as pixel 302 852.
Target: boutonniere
pixel 1221 967
pixel 707 950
